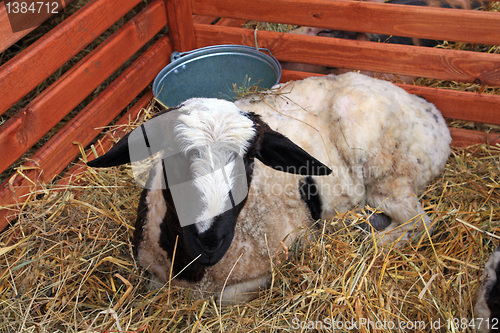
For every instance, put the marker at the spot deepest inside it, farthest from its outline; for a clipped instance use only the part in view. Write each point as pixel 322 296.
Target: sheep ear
pixel 142 142
pixel 117 155
pixel 280 153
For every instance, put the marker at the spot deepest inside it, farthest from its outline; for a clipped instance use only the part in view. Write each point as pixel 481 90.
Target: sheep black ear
pixel 280 153
pixel 142 142
pixel 117 155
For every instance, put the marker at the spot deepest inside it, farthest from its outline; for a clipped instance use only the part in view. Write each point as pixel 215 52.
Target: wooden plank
pixel 224 22
pixel 33 65
pixel 434 63
pixel 461 105
pixel 180 24
pixel 204 19
pixel 288 75
pixel 106 142
pixel 60 150
pixel 7 36
pixel 229 22
pixel 23 130
pixel 412 21
pixel 463 138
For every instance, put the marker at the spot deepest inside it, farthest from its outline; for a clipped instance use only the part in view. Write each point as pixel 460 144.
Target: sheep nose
pixel 210 244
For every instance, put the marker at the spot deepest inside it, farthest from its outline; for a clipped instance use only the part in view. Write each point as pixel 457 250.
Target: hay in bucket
pixel 67 265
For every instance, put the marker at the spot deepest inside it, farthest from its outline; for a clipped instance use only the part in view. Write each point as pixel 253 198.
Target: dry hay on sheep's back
pixel 67 264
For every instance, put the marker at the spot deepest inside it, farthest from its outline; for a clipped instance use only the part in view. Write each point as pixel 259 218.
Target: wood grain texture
pixel 23 130
pixel 225 22
pixel 434 63
pixel 60 150
pixel 229 22
pixel 32 66
pixel 461 105
pixel 180 25
pixel 7 37
pixel 412 21
pixel 204 19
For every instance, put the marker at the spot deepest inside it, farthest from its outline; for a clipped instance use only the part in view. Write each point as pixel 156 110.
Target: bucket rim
pixel 178 58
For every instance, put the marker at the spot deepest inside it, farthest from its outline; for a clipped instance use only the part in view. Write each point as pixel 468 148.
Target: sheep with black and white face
pixel 254 185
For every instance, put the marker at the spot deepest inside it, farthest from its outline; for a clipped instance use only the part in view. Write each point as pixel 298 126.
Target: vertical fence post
pixel 180 24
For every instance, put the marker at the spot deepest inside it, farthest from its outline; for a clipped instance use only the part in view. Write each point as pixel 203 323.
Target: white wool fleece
pixel 383 144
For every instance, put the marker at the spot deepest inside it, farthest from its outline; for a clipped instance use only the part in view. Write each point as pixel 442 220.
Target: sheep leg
pixel 404 209
pixel 243 291
pixel 401 232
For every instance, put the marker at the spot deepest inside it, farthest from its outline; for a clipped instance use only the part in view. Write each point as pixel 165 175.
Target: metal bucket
pixel 214 71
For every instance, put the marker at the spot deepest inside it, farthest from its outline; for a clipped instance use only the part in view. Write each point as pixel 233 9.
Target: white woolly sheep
pixel 383 145
pixel 487 309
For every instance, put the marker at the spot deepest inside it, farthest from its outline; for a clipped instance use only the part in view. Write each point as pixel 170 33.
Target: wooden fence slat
pixel 412 21
pixel 461 105
pixel 463 138
pixel 23 130
pixel 29 68
pixel 452 103
pixel 7 36
pixel 203 19
pixel 434 63
pixel 224 22
pixel 180 29
pixel 60 150
pixel 229 22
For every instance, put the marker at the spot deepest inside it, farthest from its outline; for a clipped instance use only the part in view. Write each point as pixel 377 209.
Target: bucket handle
pixel 268 51
pixel 177 55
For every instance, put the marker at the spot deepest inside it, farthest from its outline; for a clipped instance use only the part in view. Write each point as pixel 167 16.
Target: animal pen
pixel 66 262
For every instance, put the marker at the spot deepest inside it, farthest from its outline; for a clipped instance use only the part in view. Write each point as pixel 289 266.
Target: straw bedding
pixel 67 265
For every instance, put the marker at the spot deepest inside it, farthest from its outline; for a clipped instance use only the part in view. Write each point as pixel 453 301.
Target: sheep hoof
pixel 377 221
pixel 413 230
